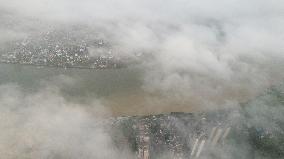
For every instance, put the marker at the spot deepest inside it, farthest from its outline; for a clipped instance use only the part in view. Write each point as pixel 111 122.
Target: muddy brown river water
pixel 119 90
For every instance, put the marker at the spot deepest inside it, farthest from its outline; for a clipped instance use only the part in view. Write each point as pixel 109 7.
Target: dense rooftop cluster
pixel 235 133
pixel 173 133
pixel 215 133
pixel 61 49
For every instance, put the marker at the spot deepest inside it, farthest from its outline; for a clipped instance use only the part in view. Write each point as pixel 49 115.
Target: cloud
pixel 195 52
pixel 44 125
pixel 195 55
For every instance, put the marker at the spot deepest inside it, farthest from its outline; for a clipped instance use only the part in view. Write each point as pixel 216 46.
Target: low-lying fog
pixel 193 56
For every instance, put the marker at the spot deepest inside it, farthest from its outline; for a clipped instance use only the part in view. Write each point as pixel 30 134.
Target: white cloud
pixel 213 52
